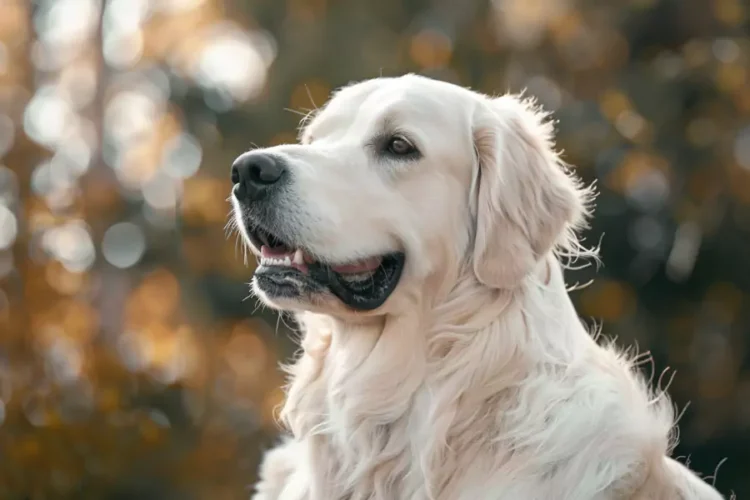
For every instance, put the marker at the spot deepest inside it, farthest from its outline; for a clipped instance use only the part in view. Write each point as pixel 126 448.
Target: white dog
pixel 418 232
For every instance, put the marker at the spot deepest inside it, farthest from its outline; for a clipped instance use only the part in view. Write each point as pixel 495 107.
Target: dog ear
pixel 526 202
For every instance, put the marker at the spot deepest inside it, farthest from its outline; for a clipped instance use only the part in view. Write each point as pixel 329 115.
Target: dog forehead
pixel 409 91
pixel 409 98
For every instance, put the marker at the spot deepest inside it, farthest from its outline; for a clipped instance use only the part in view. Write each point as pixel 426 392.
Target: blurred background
pixel 133 364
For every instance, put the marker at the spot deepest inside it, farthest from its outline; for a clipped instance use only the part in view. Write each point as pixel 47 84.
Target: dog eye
pixel 400 146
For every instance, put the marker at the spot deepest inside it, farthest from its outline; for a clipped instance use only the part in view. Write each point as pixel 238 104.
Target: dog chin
pixel 322 302
pixel 314 302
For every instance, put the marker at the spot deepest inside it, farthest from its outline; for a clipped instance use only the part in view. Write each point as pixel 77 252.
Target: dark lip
pixel 283 282
pixel 387 277
pixel 286 283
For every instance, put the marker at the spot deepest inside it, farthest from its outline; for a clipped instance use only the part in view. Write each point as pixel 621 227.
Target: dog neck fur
pixel 369 419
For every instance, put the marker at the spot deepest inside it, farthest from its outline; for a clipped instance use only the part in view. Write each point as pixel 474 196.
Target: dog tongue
pixel 360 266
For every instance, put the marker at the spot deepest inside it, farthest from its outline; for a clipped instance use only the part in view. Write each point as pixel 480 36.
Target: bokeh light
pixel 8 227
pixel 123 245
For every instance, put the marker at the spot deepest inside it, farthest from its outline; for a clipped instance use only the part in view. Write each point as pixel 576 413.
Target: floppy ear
pixel 526 201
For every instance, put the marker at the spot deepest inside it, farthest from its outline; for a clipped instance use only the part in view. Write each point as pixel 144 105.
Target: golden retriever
pixel 419 232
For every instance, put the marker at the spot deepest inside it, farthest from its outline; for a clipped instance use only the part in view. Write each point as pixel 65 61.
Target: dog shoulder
pixel 622 427
pixel 590 428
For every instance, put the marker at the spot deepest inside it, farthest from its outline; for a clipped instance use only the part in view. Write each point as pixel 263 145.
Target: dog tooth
pixel 287 261
pixel 299 259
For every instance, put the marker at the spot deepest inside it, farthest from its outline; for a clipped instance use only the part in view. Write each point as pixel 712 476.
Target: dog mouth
pixel 288 271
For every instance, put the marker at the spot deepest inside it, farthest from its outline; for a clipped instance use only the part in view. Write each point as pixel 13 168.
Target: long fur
pixel 477 380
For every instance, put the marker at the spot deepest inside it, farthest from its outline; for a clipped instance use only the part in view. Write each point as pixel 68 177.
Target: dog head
pixel 396 180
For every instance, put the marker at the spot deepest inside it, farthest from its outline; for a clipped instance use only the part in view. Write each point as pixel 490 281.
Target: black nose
pixel 253 174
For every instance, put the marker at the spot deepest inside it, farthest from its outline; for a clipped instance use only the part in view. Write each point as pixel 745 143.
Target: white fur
pixel 476 379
